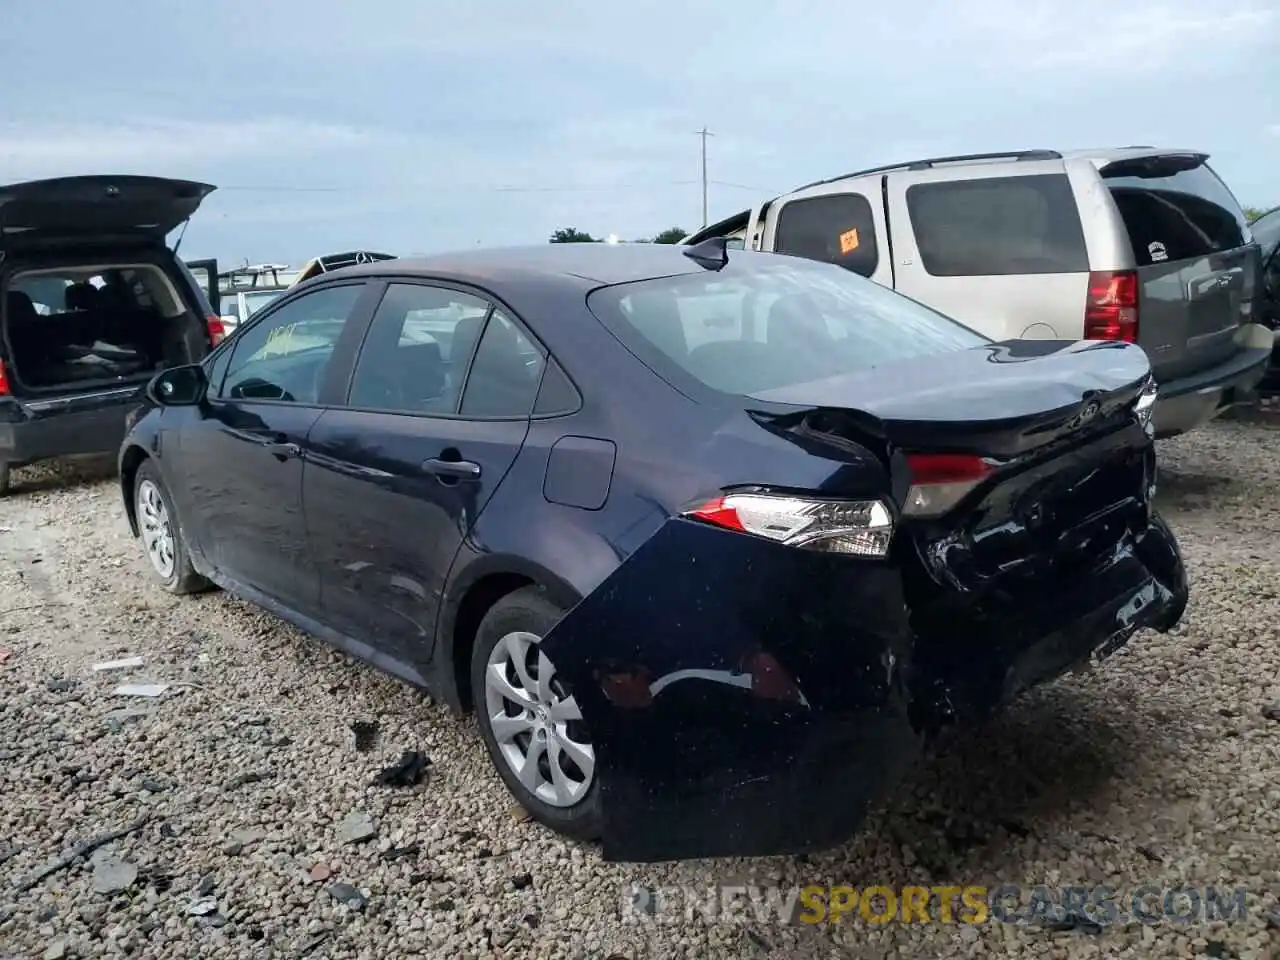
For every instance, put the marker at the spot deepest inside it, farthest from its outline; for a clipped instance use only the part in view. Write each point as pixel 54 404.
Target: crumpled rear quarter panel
pixel 793 722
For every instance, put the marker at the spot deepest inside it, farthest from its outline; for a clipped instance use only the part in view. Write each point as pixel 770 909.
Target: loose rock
pixel 357 827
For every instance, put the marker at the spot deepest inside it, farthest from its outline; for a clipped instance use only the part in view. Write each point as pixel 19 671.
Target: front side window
pixel 836 228
pixel 998 226
pixel 762 327
pixel 284 357
pixel 415 355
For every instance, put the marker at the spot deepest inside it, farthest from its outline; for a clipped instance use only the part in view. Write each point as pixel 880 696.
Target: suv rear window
pixel 1174 211
pixel 1000 226
pixel 767 324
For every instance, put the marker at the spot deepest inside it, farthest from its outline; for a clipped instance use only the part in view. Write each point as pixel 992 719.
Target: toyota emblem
pixel 1086 414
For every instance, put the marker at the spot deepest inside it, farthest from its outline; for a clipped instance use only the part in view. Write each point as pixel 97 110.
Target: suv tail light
pixel 1111 308
pixel 856 527
pixel 941 480
pixel 4 381
pixel 217 330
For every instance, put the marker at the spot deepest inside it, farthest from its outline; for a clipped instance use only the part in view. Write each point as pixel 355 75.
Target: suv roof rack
pixel 1018 155
pixel 235 277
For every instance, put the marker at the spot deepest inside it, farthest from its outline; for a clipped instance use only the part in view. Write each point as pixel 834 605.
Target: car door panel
pixel 244 465
pixel 396 479
pixel 385 525
pixel 244 455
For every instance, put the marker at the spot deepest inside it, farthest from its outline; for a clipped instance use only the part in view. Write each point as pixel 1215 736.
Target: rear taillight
pixel 217 330
pixel 1111 309
pixel 939 481
pixel 857 527
pixel 4 381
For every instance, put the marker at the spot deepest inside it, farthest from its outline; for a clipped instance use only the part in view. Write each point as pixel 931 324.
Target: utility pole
pixel 704 133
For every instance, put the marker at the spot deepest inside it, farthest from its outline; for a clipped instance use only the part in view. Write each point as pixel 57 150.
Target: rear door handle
pixel 284 451
pixel 452 469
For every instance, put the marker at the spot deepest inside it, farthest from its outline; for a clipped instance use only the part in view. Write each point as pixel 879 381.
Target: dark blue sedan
pixel 712 542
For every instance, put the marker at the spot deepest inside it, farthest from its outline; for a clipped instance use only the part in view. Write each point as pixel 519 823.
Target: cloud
pixel 499 121
pixel 165 145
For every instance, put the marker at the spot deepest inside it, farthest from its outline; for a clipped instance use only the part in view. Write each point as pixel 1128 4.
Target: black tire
pixel 528 610
pixel 4 479
pixel 183 579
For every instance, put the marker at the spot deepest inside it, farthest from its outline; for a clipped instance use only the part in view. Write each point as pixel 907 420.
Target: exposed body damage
pixel 761 709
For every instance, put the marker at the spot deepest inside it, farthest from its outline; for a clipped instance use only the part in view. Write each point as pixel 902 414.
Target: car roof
pixel 598 264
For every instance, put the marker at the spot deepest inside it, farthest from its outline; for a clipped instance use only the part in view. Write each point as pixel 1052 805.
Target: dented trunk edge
pixel 750 699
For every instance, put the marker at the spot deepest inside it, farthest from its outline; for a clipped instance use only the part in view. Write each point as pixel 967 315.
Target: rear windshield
pixel 773 322
pixel 1174 211
pixel 998 226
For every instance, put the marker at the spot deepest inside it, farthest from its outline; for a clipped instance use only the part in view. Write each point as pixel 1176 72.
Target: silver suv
pixel 1134 244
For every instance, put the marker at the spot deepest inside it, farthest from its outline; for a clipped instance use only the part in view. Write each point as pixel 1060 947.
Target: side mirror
pixel 178 386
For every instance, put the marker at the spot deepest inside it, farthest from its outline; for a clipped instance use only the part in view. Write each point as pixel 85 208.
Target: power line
pixel 579 188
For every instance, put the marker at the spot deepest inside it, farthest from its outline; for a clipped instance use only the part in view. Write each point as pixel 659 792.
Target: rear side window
pixel 837 228
pixel 1172 212
pixel 1000 226
pixel 414 357
pixel 505 373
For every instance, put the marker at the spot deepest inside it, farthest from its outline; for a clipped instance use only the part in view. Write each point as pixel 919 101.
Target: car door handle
pixel 452 469
pixel 284 451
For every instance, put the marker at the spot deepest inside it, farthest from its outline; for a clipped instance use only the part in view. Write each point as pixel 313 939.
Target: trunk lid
pixel 999 400
pixel 1012 463
pixel 91 209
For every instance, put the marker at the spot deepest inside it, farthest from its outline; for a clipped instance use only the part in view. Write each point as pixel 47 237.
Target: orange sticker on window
pixel 849 241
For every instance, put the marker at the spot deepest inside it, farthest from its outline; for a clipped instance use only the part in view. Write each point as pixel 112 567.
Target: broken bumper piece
pixel 747 699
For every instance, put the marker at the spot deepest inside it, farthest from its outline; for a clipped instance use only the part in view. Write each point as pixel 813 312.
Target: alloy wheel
pixel 536 723
pixel 157 533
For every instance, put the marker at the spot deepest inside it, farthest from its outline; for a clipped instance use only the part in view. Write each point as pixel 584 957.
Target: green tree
pixel 671 235
pixel 572 235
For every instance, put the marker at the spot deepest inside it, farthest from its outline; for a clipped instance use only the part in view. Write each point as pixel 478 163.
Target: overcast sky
pixel 413 126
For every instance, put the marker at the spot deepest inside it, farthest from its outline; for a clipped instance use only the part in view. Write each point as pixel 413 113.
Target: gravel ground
pixel 1160 768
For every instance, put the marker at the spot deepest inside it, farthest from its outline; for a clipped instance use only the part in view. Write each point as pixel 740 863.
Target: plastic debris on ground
pixel 140 689
pixel 366 734
pixel 128 663
pixel 405 772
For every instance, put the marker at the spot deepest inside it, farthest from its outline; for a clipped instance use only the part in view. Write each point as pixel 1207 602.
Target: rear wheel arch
pixel 475 597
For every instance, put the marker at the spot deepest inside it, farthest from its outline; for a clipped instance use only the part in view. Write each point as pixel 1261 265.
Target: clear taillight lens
pixel 855 527
pixel 1146 404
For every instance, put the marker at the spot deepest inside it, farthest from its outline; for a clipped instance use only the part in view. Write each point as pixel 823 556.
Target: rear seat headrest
pixel 80 296
pixel 20 307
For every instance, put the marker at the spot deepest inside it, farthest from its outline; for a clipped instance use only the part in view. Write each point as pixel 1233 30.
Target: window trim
pixel 495 302
pixel 356 316
pixel 831 195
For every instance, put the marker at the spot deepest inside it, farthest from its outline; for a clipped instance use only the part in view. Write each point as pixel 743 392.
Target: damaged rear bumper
pixel 749 699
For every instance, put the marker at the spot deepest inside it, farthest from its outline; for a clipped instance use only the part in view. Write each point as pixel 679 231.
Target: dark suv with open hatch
pixel 93 303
